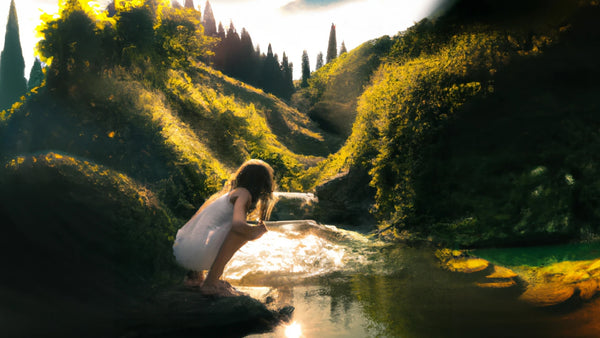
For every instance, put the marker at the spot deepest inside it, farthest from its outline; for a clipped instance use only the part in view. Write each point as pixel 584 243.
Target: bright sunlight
pixel 294 330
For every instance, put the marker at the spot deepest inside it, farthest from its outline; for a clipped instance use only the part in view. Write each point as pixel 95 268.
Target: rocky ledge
pixel 185 312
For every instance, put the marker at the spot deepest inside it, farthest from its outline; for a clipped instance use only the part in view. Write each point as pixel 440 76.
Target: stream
pixel 346 284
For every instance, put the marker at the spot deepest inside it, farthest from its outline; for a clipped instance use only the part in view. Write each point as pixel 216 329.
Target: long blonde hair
pixel 258 178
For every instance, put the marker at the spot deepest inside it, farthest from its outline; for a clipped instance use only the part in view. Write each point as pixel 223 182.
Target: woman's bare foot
pixel 220 289
pixel 217 289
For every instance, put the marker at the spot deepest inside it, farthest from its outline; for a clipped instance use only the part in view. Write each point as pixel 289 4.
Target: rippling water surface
pixel 343 284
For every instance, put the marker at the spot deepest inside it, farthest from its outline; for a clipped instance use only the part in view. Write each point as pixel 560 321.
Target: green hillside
pixel 478 131
pixel 123 142
pixel 331 97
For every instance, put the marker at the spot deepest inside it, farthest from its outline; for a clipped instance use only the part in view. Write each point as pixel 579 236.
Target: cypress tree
pixel 343 48
pixel 232 46
pixel 332 47
pixel 189 4
pixel 319 61
pixel 219 58
pixel 270 71
pixel 36 75
pixel 305 69
pixel 248 59
pixel 221 32
pixel 208 21
pixel 12 65
pixel 287 87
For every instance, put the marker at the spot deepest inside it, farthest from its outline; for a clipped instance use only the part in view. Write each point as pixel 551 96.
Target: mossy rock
pixel 467 264
pixel 547 294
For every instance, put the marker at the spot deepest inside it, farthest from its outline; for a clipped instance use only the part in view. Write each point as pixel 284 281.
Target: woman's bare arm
pixel 241 202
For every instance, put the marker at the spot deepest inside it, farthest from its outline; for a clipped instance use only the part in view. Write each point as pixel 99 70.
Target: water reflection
pixel 345 286
pixel 293 251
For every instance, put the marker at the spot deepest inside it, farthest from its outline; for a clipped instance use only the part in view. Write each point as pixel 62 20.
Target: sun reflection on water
pixel 290 251
pixel 293 330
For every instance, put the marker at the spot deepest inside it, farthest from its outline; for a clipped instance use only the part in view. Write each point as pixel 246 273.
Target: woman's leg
pixel 233 242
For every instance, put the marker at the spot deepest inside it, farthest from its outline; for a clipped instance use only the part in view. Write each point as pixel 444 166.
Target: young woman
pixel 219 228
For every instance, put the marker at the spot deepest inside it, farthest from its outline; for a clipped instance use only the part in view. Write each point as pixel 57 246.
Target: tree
pixel 175 4
pixel 219 58
pixel 248 71
pixel 208 21
pixel 319 61
pixel 305 69
pixel 189 4
pixel 36 75
pixel 180 37
pixel 343 48
pixel 232 46
pixel 287 76
pixel 12 65
pixel 332 47
pixel 270 71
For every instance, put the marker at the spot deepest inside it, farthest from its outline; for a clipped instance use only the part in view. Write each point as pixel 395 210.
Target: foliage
pixel 182 37
pixel 12 66
pixel 123 96
pixel 36 75
pixel 71 197
pixel 333 90
pixel 150 35
pixel 236 56
pixel 453 144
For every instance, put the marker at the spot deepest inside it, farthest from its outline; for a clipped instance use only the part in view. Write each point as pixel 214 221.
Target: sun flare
pixel 294 330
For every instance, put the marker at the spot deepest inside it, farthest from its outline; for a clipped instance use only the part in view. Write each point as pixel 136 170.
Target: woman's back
pixel 199 240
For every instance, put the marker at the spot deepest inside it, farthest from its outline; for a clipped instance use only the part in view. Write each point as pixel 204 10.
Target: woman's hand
pixel 259 230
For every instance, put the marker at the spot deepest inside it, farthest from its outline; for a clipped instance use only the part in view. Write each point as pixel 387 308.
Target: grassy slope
pixel 457 123
pixel 117 166
pixel 333 91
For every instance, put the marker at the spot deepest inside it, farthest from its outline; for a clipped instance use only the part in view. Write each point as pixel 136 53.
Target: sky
pixel 291 26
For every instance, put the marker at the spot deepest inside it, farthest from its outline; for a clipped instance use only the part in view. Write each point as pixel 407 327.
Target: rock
pixel 186 312
pixel 547 294
pixel 292 206
pixel 457 253
pixel 501 272
pixel 346 199
pixel 467 264
pixel 575 276
pixel 587 289
pixel 594 268
pixel 497 285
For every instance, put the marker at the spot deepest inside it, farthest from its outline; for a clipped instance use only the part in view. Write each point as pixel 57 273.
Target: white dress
pixel 199 240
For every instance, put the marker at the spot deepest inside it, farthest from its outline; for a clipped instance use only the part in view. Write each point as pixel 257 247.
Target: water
pixel 343 284
pixel 541 255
